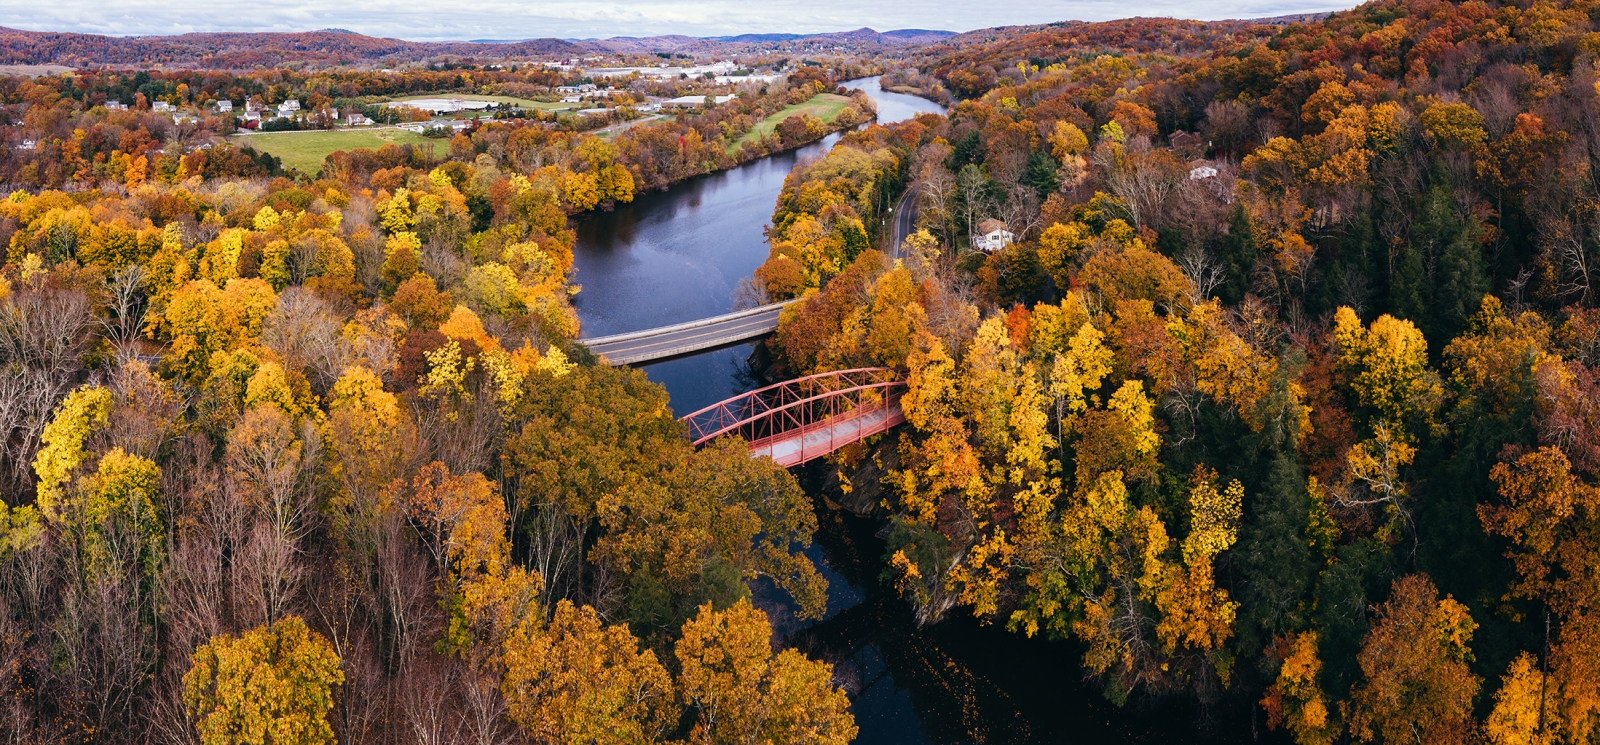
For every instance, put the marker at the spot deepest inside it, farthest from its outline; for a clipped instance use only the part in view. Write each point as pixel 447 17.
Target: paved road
pixel 679 339
pixel 905 216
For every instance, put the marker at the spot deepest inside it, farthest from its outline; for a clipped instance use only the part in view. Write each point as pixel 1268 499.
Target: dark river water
pixel 677 256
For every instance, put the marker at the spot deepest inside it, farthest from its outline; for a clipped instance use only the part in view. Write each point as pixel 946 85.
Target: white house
pixel 1202 172
pixel 224 105
pixel 287 108
pixel 357 119
pixel 116 106
pixel 29 145
pixel 689 102
pixel 251 116
pixel 992 236
pixel 161 106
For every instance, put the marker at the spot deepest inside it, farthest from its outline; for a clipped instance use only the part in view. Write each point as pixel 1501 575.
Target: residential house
pixel 288 108
pixel 224 105
pixel 1186 142
pixel 1199 169
pixel 116 106
pixel 161 106
pixel 993 235
pixel 357 119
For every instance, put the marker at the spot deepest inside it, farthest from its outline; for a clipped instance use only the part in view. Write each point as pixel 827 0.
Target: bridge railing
pixel 795 405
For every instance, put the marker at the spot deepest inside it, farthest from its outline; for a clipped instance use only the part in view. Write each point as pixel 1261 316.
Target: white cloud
pixel 505 19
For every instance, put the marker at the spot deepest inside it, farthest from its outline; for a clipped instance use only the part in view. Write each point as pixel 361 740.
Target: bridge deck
pixel 816 440
pixel 670 341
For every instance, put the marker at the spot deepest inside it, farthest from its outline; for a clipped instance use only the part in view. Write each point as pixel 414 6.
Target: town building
pixel 993 235
pixel 689 102
pixel 441 105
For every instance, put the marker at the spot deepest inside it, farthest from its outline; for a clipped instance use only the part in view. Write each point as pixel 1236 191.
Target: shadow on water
pixel 677 256
pixel 958 681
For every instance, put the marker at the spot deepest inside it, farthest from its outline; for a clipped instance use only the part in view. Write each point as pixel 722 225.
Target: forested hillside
pixel 1284 396
pixel 304 459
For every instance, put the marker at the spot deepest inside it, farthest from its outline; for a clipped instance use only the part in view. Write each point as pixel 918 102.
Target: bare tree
pixel 267 574
pixel 125 308
pixel 1144 181
pixel 427 690
pixel 144 411
pixel 1021 211
pixel 305 331
pixel 270 469
pixel 43 334
pixel 485 712
pixel 556 547
pixel 974 190
pixel 1204 272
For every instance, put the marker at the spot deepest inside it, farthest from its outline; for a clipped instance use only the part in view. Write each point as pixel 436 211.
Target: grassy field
pixel 824 106
pixel 523 102
pixel 304 151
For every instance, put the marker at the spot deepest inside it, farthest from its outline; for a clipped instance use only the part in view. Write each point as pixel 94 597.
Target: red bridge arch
pixel 806 418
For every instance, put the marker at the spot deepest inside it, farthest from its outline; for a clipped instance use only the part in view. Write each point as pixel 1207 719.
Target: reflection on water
pixel 958 681
pixel 676 256
pixel 893 107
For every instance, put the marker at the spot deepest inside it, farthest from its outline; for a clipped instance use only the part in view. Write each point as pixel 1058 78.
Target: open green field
pixel 824 106
pixel 304 151
pixel 523 102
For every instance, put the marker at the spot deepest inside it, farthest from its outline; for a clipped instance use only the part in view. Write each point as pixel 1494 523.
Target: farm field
pixel 304 151
pixel 824 106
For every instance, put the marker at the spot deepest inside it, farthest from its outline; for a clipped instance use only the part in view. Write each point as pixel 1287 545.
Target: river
pixel 677 256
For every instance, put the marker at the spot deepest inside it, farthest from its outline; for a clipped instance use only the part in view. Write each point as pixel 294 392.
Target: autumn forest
pixel 1278 405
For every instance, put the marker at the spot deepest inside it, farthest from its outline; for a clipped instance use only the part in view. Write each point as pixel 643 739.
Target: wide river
pixel 677 256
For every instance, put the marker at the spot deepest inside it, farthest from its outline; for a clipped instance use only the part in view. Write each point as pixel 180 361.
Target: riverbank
pixel 679 254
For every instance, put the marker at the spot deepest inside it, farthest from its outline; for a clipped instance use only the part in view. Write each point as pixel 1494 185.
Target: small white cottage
pixel 992 236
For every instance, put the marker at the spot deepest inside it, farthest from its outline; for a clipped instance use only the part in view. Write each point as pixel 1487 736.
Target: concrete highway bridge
pixel 680 339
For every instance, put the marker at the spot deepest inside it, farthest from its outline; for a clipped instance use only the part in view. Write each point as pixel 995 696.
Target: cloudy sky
pixel 511 19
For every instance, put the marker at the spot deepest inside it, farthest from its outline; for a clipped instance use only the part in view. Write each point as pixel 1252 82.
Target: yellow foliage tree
pixel 744 693
pixel 579 682
pixel 270 685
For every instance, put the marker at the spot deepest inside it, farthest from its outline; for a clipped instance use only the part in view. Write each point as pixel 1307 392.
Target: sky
pixel 422 20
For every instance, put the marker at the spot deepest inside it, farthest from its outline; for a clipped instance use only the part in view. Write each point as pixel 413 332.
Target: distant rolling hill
pixel 250 50
pixel 332 47
pixel 679 43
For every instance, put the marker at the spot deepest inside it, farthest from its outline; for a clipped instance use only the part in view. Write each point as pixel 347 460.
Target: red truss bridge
pixel 799 420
